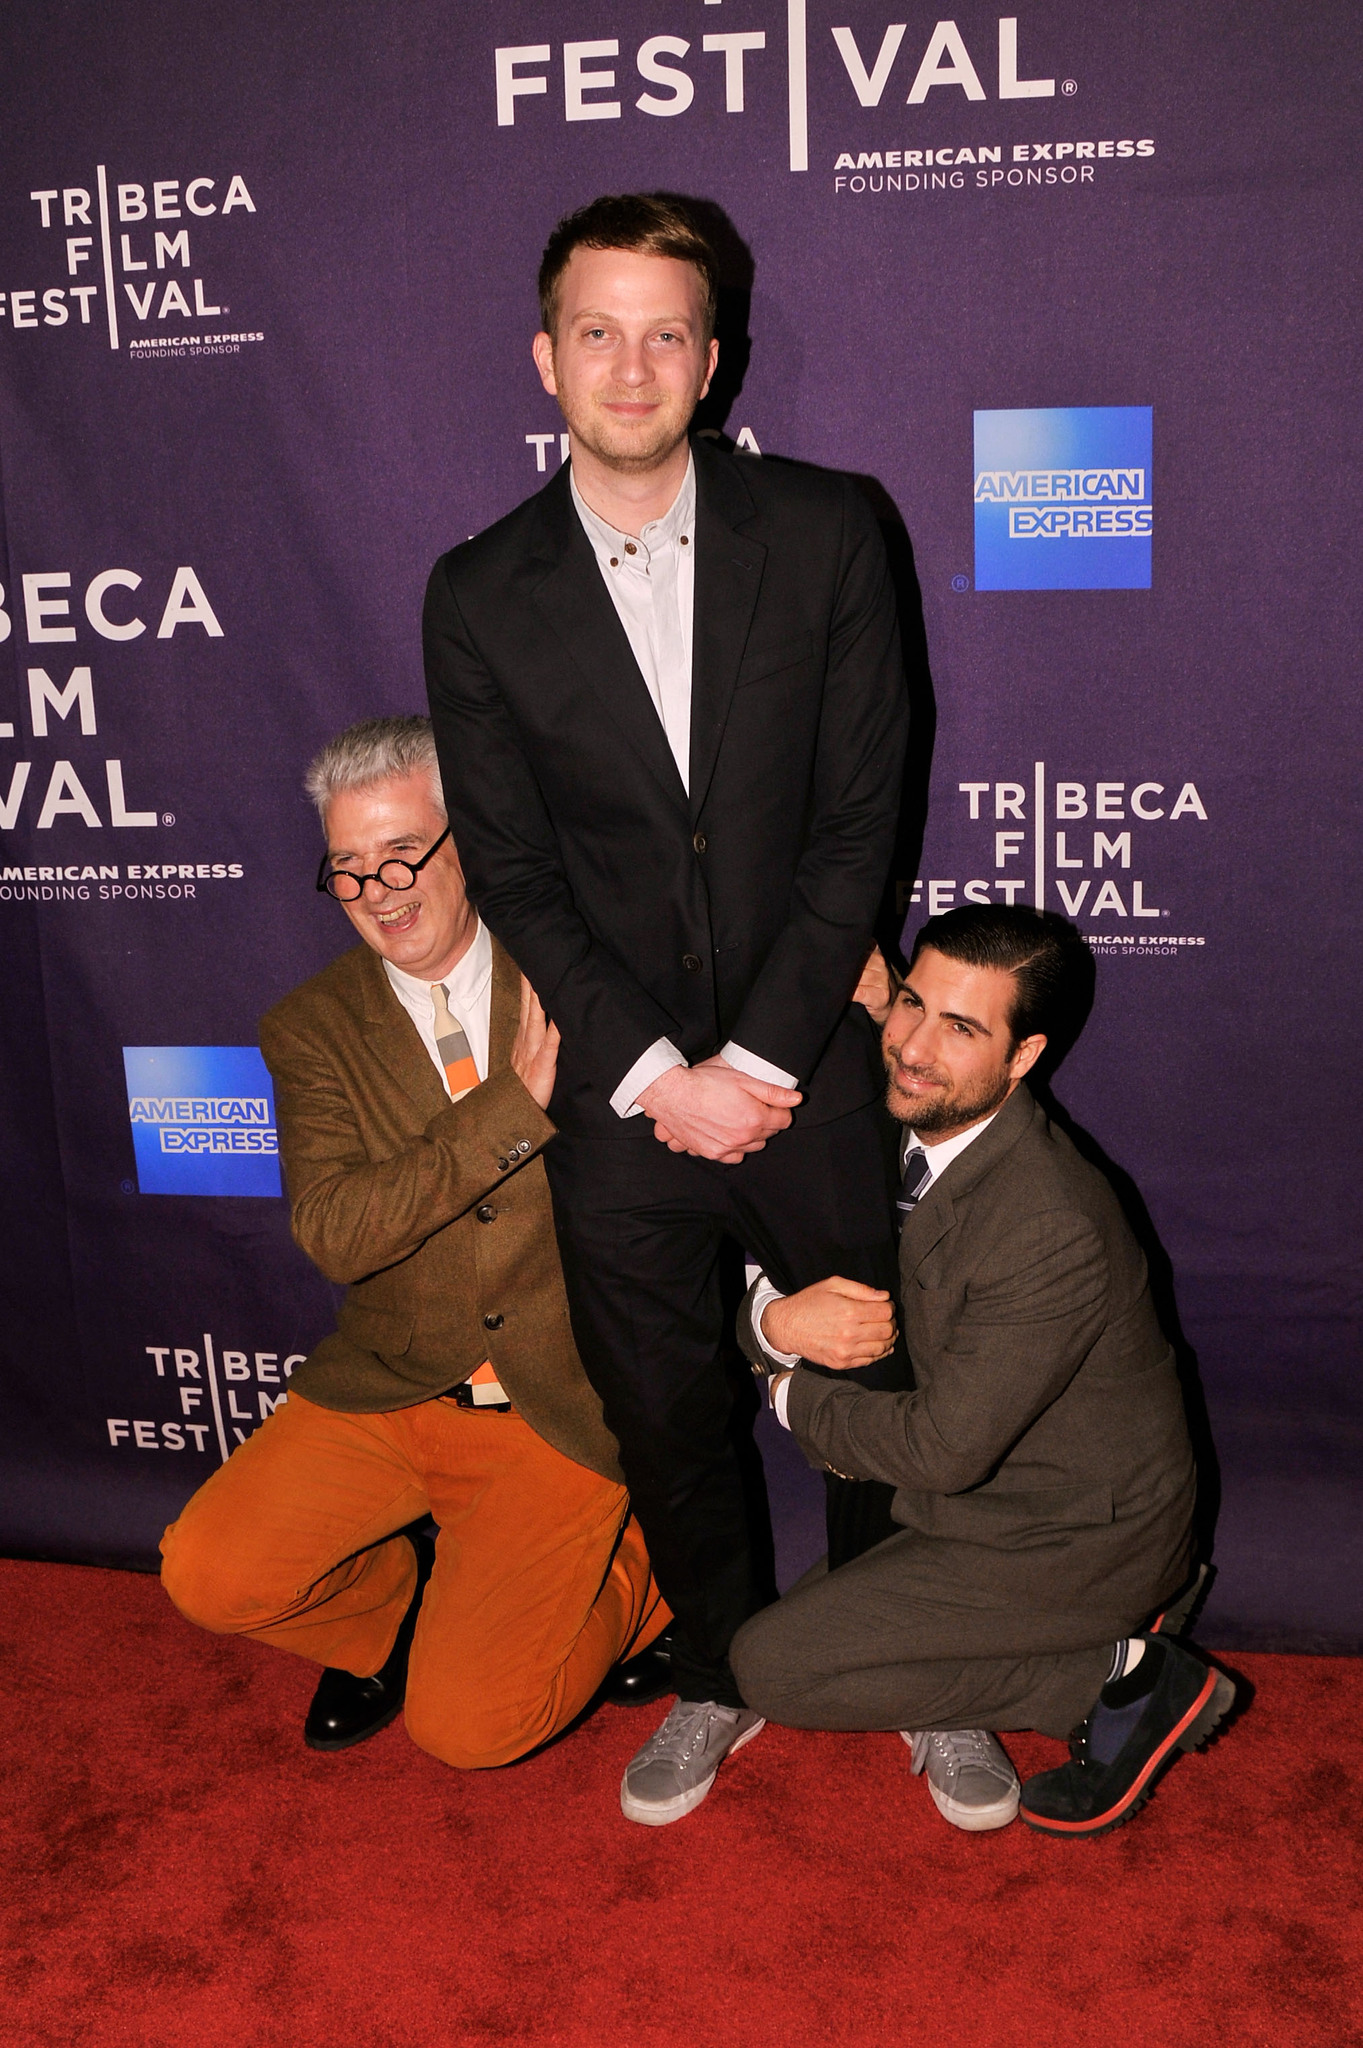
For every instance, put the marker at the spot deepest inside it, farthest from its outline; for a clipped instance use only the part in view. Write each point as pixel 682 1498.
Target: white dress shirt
pixel 468 991
pixel 652 581
pixel 939 1158
pixel 651 577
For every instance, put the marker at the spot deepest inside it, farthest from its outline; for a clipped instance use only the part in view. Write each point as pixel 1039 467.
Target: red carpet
pixel 184 1871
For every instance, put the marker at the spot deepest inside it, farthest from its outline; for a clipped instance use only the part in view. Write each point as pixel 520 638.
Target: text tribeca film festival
pixel 123 255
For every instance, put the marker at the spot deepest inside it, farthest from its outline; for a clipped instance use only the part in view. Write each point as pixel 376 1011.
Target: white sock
pixel 1126 1655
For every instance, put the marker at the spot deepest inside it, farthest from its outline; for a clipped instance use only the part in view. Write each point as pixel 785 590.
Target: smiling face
pixel 426 929
pixel 629 359
pixel 948 1045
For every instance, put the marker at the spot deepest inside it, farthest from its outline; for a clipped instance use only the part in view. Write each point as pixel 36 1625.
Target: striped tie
pixel 482 1389
pixel 452 1045
pixel 911 1185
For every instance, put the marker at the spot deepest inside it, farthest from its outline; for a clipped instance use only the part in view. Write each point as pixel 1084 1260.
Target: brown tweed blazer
pixel 435 1213
pixel 1044 1450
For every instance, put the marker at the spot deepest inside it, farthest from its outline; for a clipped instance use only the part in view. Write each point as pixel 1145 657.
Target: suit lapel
pixel 926 1226
pixel 506 1010
pixel 728 578
pixel 577 607
pixel 395 1042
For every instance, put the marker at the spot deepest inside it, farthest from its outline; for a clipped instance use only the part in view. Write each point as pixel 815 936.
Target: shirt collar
pixel 939 1157
pixel 611 545
pixel 464 984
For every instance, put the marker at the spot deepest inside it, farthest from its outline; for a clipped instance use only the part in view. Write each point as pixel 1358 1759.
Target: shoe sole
pixel 661 1813
pixel 976 1820
pixel 330 1746
pixel 1210 1707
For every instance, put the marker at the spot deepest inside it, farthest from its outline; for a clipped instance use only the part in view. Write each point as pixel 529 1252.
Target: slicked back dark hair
pixel 1051 966
pixel 646 223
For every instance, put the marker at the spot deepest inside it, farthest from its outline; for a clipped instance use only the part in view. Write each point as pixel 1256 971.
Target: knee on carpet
pixel 475 1736
pixel 210 1588
pixel 760 1661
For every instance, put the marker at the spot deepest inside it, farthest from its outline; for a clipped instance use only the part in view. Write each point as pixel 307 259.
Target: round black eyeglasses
pixel 347 887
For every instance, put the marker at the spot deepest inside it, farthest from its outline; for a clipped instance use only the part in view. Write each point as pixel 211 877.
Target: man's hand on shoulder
pixel 875 990
pixel 534 1056
pixel 714 1112
pixel 838 1323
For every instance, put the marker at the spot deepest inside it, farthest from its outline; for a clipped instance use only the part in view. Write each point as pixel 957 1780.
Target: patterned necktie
pixel 482 1389
pixel 916 1171
pixel 452 1044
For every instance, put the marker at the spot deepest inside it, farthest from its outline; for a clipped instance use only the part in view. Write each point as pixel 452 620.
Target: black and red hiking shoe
pixel 1172 1701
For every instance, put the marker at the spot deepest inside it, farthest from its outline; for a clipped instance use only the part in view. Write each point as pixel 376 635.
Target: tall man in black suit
pixel 671 712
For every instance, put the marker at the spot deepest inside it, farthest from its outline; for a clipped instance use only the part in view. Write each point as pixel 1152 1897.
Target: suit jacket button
pixel 501 1165
pixel 492 1322
pixel 700 842
pixel 524 1145
pixel 487 1214
pixel 691 962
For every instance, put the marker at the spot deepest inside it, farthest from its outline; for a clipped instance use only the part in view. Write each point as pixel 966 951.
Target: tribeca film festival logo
pixel 1063 498
pixel 598 80
pixel 98 790
pixel 203 1120
pixel 214 1389
pixel 145 278
pixel 1073 847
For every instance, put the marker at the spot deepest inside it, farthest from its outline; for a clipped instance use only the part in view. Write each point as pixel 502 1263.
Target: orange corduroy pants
pixel 541 1578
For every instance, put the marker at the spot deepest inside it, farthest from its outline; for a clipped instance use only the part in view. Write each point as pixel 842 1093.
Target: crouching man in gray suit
pixel 1043 1470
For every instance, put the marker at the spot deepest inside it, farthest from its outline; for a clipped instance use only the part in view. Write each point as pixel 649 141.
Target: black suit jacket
pixel 744 909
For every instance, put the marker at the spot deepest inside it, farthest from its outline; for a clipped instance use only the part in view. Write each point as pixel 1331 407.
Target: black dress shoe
pixel 345 1709
pixel 637 1681
pixel 1128 1741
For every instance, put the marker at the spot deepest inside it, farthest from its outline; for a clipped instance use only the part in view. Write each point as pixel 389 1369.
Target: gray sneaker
pixel 972 1783
pixel 675 1769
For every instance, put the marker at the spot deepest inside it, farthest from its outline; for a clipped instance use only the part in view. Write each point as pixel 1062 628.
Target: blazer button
pixel 691 962
pixel 502 1165
pixel 487 1214
pixel 492 1322
pixel 700 842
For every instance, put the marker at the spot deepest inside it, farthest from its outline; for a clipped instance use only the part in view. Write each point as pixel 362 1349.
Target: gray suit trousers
pixel 879 1644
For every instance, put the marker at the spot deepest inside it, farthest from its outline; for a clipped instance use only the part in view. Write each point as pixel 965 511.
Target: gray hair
pixel 371 752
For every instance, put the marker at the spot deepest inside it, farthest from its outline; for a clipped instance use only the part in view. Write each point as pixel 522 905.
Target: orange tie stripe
pixel 486 1388
pixel 451 1042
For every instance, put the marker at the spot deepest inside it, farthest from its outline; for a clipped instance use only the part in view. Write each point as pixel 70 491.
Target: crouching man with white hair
pixel 412 1078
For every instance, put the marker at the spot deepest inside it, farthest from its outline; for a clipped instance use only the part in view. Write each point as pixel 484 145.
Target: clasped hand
pixel 715 1112
pixel 838 1323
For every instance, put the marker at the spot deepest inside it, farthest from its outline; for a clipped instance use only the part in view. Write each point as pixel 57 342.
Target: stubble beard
pixel 950 1111
pixel 624 449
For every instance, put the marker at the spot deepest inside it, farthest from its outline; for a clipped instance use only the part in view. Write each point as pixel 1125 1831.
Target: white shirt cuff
pixel 760 1070
pixel 661 1055
pixel 779 1401
pixel 764 1295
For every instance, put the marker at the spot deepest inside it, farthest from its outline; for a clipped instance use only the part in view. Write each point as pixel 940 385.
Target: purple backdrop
pixel 268 293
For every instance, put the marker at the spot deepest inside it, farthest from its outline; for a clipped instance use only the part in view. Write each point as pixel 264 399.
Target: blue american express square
pixel 203 1120
pixel 1063 498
